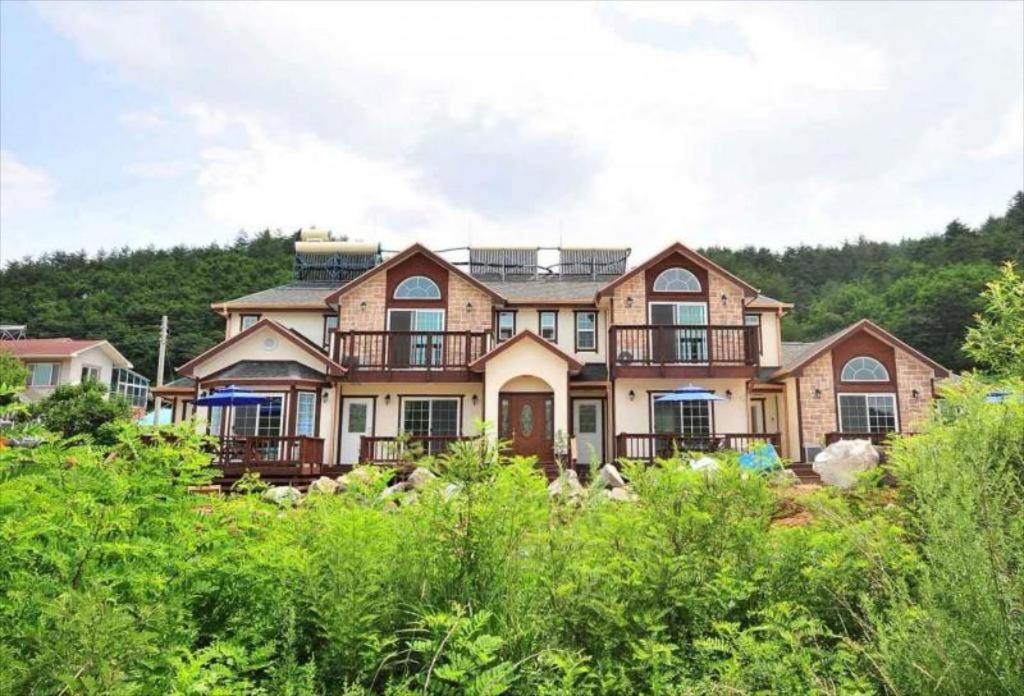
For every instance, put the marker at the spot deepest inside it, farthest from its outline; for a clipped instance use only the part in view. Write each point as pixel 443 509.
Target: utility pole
pixel 158 402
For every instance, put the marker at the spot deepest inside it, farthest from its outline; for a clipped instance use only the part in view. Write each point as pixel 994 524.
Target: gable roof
pixel 333 368
pixel 478 365
pixel 302 295
pixel 679 248
pixel 413 250
pixel 765 302
pixel 61 348
pixel 268 370
pixel 796 355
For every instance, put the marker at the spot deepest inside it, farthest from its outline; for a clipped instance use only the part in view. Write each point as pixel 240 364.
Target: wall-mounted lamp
pixel 362 305
pixel 629 301
pixel 725 299
pixel 728 393
pixel 325 397
pixel 387 399
pixel 632 394
pixel 915 394
pixel 817 393
pixel 475 399
pixel 469 307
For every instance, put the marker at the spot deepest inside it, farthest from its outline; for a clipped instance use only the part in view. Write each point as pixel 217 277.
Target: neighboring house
pixel 53 361
pixel 359 349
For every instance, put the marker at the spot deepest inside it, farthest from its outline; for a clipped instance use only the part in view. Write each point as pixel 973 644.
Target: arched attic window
pixel 417 288
pixel 864 369
pixel 676 280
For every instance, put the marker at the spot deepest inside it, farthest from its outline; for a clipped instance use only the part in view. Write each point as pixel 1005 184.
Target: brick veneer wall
pixel 374 317
pixel 459 293
pixel 913 374
pixel 634 287
pixel 731 313
pixel 819 414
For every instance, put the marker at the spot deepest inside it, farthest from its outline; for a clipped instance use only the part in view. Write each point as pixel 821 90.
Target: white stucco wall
pixel 771 339
pixel 94 357
pixel 252 347
pixel 526 318
pixel 731 416
pixel 309 323
pixel 387 415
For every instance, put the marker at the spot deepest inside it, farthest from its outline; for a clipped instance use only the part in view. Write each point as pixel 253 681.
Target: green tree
pixel 13 375
pixel 82 409
pixel 997 338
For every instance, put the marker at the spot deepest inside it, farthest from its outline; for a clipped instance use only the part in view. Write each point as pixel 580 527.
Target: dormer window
pixel 677 280
pixel 417 288
pixel 864 369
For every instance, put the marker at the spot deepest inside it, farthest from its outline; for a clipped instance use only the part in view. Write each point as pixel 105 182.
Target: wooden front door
pixel 527 420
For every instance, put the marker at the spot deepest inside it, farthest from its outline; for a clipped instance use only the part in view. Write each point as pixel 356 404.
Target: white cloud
pixel 23 189
pixel 1009 140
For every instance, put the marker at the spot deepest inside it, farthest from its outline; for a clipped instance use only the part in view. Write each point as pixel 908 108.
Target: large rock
pixel 622 494
pixel 360 475
pixel 400 487
pixel 566 484
pixel 839 463
pixel 704 464
pixel 420 478
pixel 283 495
pixel 609 477
pixel 325 485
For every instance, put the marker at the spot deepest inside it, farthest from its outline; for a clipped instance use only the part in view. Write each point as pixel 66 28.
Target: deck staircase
pixel 804 472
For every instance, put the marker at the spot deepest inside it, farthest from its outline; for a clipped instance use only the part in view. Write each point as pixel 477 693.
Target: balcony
pixel 297 454
pixel 410 356
pixel 684 351
pixel 650 446
pixel 391 450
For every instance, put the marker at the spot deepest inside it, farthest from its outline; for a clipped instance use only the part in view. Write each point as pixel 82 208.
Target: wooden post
pixel 161 355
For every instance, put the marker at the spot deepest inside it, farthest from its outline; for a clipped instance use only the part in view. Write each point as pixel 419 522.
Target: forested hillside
pixel 924 290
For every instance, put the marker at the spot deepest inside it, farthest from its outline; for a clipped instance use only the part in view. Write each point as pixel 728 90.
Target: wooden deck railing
pixel 651 446
pixel 409 350
pixel 391 450
pixel 658 345
pixel 269 451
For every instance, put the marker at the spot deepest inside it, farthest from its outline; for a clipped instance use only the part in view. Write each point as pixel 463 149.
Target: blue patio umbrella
pixel 227 397
pixel 691 392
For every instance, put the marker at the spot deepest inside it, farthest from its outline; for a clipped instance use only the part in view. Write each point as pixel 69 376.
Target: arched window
pixel 417 288
pixel 864 369
pixel 676 280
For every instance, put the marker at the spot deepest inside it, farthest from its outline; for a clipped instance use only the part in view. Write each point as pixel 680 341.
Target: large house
pixel 55 361
pixel 565 358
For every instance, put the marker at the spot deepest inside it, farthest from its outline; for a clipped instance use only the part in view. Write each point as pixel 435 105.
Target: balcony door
pixel 685 345
pixel 418 342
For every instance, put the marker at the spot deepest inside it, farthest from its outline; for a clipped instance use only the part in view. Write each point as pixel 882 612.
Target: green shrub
pixel 82 409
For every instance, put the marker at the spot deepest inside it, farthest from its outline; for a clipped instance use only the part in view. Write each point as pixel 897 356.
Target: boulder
pixel 451 490
pixel 609 477
pixel 393 490
pixel 420 478
pixel 839 463
pixel 566 484
pixel 359 475
pixel 621 494
pixel 282 495
pixel 783 477
pixel 704 464
pixel 325 485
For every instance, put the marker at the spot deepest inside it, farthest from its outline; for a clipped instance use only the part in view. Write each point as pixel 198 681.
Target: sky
pixel 483 123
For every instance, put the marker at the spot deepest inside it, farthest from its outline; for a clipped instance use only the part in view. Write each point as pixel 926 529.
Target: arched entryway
pixel 526 417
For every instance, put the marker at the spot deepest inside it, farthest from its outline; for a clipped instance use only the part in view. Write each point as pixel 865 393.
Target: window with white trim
pixel 432 416
pixel 248 320
pixel 864 369
pixel 42 374
pixel 263 419
pixel 90 373
pixel 867 413
pixel 676 280
pixel 330 324
pixel 506 325
pixel 548 324
pixel 586 331
pixel 682 417
pixel 305 414
pixel 417 288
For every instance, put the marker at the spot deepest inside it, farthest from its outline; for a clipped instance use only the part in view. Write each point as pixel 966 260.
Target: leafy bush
pixel 115 579
pixel 82 409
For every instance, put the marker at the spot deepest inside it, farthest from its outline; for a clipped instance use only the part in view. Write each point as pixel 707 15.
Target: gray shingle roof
pixel 591 372
pixel 793 353
pixel 291 293
pixel 269 369
pixel 547 289
pixel 765 300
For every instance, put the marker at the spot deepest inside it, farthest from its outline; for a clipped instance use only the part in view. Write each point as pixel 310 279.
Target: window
pixel 357 414
pixel 506 325
pixel 417 288
pixel 586 331
pixel 418 341
pixel 431 417
pixel 248 320
pixel 754 319
pixel 867 413
pixel 676 280
pixel 587 418
pixel 864 369
pixel 305 415
pixel 42 374
pixel 258 419
pixel 682 417
pixel 547 325
pixel 131 385
pixel 330 324
pixel 90 373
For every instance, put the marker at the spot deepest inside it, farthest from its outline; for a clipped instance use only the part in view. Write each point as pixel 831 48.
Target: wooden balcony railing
pixel 660 345
pixel 392 450
pixel 409 350
pixel 877 438
pixel 258 451
pixel 651 446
